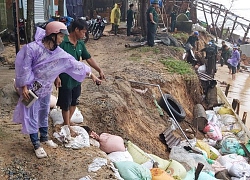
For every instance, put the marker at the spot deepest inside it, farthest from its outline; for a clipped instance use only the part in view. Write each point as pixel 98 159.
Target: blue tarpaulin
pixel 160 2
pixel 74 8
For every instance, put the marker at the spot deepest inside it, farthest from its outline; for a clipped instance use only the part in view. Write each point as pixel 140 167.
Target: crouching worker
pixel 37 65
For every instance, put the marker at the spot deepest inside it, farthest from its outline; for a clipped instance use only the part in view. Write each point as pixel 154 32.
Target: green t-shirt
pixel 152 10
pixel 79 51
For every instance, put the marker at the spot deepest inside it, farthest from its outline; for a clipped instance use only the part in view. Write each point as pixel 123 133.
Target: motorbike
pixel 98 27
pixel 90 23
pixel 21 25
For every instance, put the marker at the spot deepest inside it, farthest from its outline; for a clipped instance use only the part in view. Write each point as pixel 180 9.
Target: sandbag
pixel 213 132
pixel 111 143
pixel 78 142
pixel 230 159
pixel 159 174
pixel 176 169
pixel 163 164
pixel 240 169
pixel 53 101
pixel 230 145
pixel 225 110
pixel 202 176
pixel 200 117
pixel 139 156
pixel 132 171
pixel 56 115
pixel 120 156
pixel 204 146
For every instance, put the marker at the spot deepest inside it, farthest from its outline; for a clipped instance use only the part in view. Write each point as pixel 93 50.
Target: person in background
pixel 112 17
pixel 192 40
pixel 117 17
pixel 152 21
pixel 69 88
pixel 226 55
pixel 173 17
pixel 37 65
pixel 188 12
pixel 234 60
pixel 223 53
pixel 211 59
pixel 238 66
pixel 130 19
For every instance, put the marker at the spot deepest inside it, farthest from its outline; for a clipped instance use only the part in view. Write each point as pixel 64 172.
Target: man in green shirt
pixel 130 19
pixel 152 21
pixel 70 89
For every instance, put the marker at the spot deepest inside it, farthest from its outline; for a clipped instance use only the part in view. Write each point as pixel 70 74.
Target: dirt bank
pixel 114 107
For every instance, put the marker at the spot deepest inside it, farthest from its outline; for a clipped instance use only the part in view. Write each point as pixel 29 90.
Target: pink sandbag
pixel 111 143
pixel 213 132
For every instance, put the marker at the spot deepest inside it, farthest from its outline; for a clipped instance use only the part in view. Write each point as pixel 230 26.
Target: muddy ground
pixel 114 107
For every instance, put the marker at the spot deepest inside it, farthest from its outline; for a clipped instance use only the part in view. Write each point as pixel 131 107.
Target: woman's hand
pixel 25 93
pixel 57 83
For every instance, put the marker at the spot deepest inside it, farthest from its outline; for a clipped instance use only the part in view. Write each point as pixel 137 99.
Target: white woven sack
pixel 56 115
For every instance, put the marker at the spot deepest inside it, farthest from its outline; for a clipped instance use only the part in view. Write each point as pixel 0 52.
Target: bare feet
pixel 72 132
pixel 72 124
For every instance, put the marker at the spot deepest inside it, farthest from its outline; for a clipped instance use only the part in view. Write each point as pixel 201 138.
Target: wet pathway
pixel 239 89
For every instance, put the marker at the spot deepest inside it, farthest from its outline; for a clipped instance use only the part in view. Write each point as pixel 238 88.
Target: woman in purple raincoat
pixel 37 65
pixel 234 60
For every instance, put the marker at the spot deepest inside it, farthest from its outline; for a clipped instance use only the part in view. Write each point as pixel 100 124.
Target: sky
pixel 239 7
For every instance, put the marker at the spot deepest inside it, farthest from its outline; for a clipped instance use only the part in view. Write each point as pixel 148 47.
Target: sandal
pixel 40 153
pixel 50 143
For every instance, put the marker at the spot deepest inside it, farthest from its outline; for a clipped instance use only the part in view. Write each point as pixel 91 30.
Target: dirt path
pixel 239 89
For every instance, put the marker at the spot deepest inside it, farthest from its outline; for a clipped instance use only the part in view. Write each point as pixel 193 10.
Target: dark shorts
pixel 233 70
pixel 68 97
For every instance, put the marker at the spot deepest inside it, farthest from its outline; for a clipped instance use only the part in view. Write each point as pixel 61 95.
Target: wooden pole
pixel 218 15
pixel 222 27
pixel 208 27
pixel 236 106
pixel 231 34
pixel 245 35
pixel 227 89
pixel 214 25
pixel 15 15
pixel 244 117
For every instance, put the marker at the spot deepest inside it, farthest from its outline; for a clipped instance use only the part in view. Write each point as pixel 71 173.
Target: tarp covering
pixel 74 8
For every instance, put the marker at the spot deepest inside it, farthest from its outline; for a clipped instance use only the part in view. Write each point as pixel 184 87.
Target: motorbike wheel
pixel 86 38
pixel 98 34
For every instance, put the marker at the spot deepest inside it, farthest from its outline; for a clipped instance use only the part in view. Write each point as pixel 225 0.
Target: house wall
pixel 104 7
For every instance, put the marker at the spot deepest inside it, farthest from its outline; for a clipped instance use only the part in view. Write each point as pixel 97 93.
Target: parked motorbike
pixel 21 25
pixel 90 23
pixel 98 27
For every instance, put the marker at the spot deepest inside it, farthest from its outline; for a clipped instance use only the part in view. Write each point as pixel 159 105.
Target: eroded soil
pixel 114 107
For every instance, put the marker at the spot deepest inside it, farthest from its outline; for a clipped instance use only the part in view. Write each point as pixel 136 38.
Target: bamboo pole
pixel 222 26
pixel 230 37
pixel 208 29
pixel 214 25
pixel 218 15
pixel 245 35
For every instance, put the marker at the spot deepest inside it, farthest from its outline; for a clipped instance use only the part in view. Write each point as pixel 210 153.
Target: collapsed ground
pixel 114 107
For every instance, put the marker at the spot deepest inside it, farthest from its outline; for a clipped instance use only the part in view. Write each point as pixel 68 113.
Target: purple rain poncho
pixel 235 58
pixel 33 63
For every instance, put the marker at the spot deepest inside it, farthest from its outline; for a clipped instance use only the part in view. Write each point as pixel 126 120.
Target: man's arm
pixel 94 65
pixel 151 18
